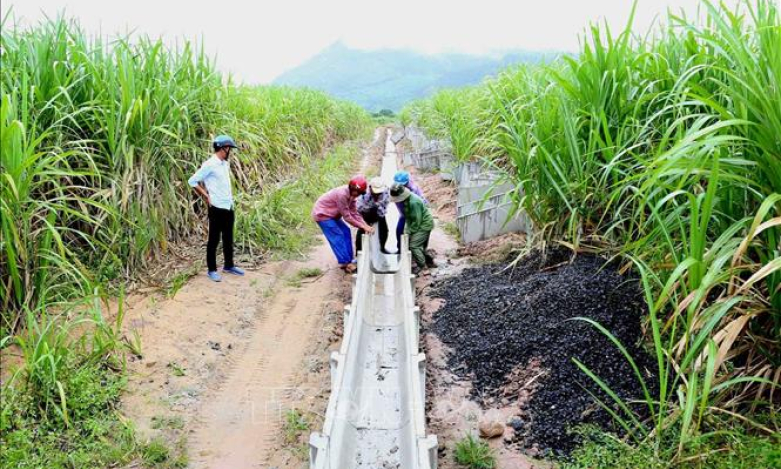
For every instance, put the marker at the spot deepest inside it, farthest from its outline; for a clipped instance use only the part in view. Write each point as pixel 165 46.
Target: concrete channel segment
pixel 376 412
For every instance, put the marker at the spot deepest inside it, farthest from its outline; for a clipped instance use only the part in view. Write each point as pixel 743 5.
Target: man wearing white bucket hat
pixel 373 205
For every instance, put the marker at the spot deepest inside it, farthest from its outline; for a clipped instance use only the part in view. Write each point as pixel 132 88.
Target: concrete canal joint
pixel 318 443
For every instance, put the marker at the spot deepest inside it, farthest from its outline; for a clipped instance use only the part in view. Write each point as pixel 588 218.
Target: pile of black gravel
pixel 495 320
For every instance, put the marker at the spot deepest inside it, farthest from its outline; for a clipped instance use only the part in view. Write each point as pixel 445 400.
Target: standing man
pixel 419 225
pixel 212 182
pixel 373 205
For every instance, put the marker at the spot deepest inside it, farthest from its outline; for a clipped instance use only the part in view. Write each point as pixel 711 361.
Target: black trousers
pixel 220 224
pixel 372 218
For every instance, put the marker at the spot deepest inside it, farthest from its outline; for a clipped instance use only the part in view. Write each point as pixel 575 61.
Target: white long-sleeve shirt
pixel 215 174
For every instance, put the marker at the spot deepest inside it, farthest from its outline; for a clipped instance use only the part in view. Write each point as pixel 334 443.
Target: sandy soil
pixel 311 382
pixel 219 359
pixel 241 421
pixel 500 248
pixel 440 194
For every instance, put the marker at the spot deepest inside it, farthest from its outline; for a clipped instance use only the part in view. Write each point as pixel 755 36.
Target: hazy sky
pixel 256 41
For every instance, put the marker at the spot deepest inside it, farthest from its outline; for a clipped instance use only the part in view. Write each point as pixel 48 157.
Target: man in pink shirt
pixel 332 210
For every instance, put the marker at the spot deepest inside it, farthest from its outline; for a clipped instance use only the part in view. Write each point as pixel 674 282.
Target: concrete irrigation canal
pixel 376 412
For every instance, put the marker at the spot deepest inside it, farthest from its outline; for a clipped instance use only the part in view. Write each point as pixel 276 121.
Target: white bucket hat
pixel 377 185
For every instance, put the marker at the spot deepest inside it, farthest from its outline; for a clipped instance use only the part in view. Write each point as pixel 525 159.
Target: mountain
pixel 389 78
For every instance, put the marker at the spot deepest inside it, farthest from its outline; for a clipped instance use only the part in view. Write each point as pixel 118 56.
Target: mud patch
pixel 509 333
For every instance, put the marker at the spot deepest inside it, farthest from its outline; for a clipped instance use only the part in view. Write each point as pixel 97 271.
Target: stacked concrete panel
pixel 485 205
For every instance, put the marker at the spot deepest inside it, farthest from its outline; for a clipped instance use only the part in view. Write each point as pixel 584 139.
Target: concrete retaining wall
pixel 479 215
pixel 484 216
pixel 485 209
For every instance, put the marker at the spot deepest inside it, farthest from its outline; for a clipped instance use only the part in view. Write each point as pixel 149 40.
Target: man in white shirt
pixel 212 182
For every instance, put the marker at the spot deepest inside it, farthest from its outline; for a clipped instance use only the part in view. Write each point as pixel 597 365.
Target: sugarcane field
pixel 414 235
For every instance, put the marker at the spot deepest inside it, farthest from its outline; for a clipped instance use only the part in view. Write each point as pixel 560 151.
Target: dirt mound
pixel 499 322
pixel 440 194
pixel 496 249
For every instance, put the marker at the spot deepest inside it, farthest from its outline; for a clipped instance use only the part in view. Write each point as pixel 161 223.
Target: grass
pixel 451 229
pixel 278 220
pixel 295 427
pixel 474 453
pixel 154 453
pixel 304 273
pixel 174 422
pixel 661 150
pixel 309 272
pixel 727 450
pixel 177 369
pixel 59 408
pixel 157 454
pixel 178 281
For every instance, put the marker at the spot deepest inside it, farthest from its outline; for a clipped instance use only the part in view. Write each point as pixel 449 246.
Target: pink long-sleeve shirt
pixel 335 204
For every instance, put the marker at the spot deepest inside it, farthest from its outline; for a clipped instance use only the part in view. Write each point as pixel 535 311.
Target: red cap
pixel 358 183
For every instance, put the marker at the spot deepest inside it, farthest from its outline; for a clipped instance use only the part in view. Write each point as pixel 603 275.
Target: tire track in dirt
pixel 241 420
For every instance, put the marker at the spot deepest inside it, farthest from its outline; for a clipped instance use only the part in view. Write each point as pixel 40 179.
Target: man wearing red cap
pixel 332 210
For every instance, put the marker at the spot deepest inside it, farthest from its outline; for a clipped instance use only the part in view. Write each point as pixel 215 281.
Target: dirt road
pixel 240 422
pixel 218 359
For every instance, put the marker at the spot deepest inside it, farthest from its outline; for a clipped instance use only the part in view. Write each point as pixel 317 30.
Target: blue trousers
pixel 338 235
pixel 400 230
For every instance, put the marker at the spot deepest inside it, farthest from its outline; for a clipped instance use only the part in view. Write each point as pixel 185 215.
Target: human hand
pixel 369 230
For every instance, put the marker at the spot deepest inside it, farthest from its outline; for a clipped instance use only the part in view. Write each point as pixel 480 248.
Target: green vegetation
pixel 309 272
pixel 177 282
pixel 731 449
pixel 295 429
pixel 451 229
pixel 157 454
pixel 174 422
pixel 278 220
pixel 59 407
pixel 384 117
pixel 177 369
pixel 474 453
pixel 97 141
pixel 662 150
pixel 306 272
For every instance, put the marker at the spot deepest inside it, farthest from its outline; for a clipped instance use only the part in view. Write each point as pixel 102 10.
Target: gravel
pixel 497 321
